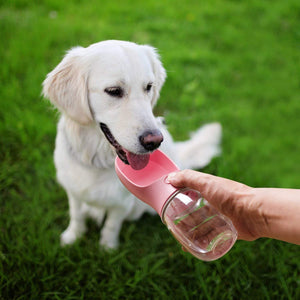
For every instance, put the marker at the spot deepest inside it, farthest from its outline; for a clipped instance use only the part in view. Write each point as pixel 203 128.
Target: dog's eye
pixel 114 92
pixel 149 87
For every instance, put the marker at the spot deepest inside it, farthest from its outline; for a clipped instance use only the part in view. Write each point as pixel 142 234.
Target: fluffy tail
pixel 198 151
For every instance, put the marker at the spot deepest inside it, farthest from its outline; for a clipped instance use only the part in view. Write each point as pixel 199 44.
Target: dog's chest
pixel 82 168
pixel 104 190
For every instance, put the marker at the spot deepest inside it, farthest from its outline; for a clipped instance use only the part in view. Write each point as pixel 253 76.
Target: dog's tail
pixel 203 145
pixel 197 152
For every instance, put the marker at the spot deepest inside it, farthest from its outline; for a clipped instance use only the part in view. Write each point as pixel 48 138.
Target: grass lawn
pixel 236 62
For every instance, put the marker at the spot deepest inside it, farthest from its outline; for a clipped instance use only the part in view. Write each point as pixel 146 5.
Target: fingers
pixel 188 178
pixel 229 197
pixel 217 190
pixel 207 184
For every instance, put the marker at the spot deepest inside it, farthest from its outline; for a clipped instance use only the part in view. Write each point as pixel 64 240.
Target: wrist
pixel 279 210
pixel 258 214
pixel 250 217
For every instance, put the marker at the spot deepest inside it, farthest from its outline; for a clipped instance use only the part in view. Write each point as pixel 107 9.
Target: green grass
pixel 236 62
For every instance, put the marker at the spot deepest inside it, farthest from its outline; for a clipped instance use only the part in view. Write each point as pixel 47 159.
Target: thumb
pixel 216 190
pixel 201 182
pixel 188 178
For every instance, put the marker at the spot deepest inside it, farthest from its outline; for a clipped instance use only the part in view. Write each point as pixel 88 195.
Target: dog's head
pixel 115 84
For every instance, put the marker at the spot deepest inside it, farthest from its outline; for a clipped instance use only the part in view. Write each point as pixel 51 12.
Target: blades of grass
pixel 203 222
pixel 202 203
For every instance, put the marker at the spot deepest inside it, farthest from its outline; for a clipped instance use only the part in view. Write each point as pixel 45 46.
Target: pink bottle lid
pixel 149 184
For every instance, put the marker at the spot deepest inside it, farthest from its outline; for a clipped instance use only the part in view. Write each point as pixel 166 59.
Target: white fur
pixel 83 157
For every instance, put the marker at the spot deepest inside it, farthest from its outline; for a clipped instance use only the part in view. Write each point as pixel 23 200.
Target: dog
pixel 105 94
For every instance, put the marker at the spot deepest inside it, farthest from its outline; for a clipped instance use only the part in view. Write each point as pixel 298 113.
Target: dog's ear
pixel 158 69
pixel 66 87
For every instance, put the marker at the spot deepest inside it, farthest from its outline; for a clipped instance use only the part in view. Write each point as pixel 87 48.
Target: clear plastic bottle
pixel 199 227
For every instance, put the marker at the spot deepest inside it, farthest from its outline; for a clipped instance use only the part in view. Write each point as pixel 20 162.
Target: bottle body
pixel 199 227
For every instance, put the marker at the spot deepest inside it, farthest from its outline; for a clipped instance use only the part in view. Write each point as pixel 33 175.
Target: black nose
pixel 151 139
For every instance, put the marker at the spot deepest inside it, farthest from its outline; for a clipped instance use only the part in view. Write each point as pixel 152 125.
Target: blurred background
pixel 235 62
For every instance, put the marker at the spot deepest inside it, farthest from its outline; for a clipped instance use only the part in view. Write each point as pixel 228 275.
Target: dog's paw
pixel 108 244
pixel 69 237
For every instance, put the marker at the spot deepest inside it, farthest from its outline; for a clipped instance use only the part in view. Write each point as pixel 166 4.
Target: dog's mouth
pixel 136 161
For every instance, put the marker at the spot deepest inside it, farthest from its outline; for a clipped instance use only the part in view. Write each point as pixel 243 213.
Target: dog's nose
pixel 151 139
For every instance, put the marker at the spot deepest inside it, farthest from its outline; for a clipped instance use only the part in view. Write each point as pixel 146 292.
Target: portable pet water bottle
pixel 199 227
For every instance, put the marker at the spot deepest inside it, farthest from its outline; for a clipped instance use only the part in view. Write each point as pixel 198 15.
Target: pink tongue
pixel 138 161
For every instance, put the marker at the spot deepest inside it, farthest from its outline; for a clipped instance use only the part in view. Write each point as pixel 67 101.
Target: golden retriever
pixel 105 94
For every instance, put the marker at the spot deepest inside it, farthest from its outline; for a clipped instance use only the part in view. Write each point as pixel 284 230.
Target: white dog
pixel 105 94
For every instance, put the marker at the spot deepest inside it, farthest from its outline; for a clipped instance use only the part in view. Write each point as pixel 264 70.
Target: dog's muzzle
pixel 150 140
pixel 119 150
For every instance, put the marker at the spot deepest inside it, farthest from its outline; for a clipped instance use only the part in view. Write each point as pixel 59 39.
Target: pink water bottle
pixel 198 226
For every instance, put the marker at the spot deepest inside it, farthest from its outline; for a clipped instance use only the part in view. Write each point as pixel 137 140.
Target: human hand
pixel 231 198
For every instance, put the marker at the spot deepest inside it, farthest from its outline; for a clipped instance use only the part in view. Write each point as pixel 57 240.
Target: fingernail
pixel 171 177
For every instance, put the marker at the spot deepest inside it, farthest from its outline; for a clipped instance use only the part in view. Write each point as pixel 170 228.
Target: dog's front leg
pixel 77 225
pixel 112 227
